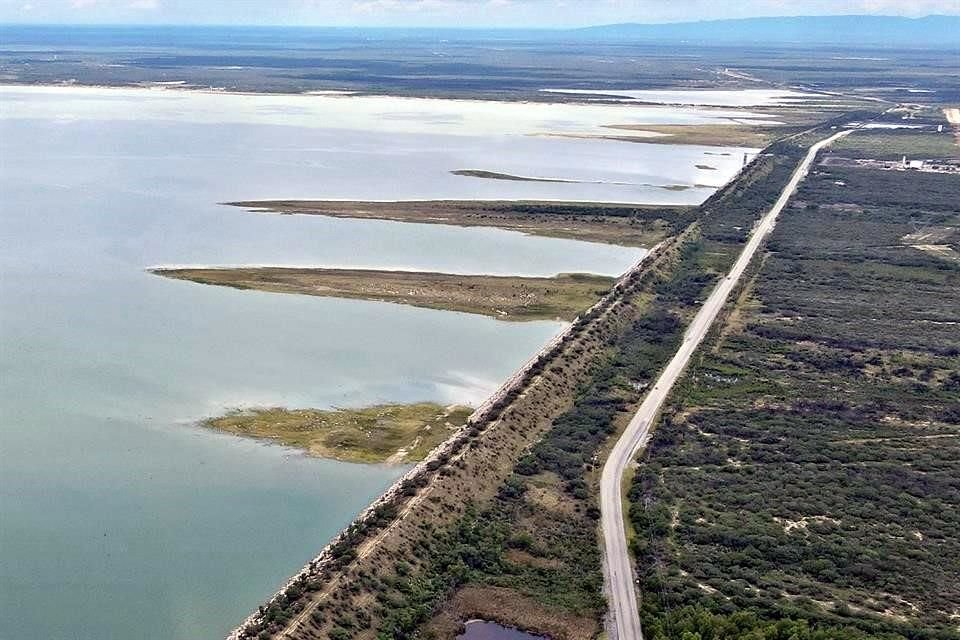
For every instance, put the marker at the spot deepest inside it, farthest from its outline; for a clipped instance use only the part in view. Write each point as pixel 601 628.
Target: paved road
pixel 618 568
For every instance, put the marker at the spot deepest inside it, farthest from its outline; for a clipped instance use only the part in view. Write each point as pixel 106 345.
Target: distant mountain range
pixel 940 32
pixel 931 31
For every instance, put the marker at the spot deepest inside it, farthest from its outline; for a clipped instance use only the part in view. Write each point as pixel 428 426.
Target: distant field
pixel 883 144
pixel 513 65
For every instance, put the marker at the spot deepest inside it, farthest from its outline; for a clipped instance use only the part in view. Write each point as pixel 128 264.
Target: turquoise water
pixel 119 518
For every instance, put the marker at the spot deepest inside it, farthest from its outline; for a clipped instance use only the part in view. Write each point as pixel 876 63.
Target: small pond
pixel 483 630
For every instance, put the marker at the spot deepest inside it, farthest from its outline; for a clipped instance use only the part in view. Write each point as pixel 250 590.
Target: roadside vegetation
pixel 502 297
pixel 382 433
pixel 803 482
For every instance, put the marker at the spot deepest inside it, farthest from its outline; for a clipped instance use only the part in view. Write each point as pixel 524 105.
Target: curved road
pixel 618 567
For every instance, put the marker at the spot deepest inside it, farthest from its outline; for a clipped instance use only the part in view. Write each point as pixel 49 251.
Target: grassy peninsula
pixel 392 433
pixel 502 297
pixel 621 224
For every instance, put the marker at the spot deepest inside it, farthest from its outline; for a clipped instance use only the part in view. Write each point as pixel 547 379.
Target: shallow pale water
pixel 118 518
pixel 382 148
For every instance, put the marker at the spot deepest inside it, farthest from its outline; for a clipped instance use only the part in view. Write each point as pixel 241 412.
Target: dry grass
pixel 546 494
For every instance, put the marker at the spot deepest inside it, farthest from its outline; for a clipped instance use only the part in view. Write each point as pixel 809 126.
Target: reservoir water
pixel 118 517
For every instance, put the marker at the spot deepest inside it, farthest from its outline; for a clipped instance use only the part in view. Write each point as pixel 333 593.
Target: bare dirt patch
pixel 802 523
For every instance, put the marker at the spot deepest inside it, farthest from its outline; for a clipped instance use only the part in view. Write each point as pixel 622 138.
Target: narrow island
pixel 503 297
pixel 495 175
pixel 389 433
pixel 626 225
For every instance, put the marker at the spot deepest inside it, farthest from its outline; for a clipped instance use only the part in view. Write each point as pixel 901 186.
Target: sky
pixel 441 13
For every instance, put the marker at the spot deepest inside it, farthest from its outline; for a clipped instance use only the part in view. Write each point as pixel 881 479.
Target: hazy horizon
pixel 481 14
pixel 444 27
